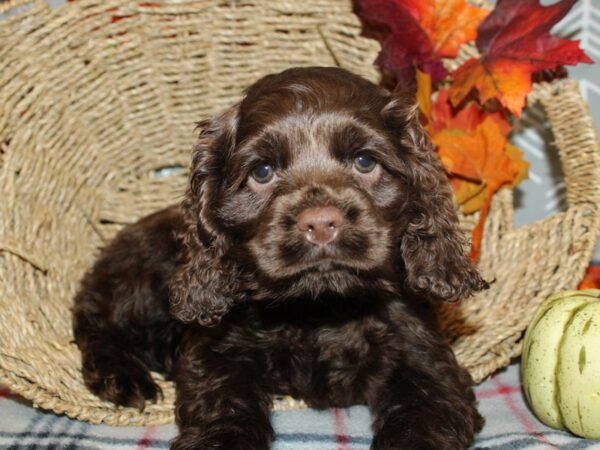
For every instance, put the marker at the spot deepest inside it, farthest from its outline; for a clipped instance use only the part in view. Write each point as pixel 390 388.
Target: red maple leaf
pixel 515 42
pixel 420 33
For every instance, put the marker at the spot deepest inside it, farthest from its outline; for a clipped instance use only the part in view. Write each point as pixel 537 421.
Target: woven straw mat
pixel 98 101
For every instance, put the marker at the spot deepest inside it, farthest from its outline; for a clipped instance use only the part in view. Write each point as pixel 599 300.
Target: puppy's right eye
pixel 263 173
pixel 364 163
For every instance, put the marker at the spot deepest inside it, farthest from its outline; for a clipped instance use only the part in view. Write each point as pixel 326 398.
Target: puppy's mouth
pixel 324 265
pixel 322 276
pixel 326 260
pixel 291 266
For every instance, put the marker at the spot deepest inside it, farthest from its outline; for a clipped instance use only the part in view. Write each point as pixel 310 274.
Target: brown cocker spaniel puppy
pixel 316 237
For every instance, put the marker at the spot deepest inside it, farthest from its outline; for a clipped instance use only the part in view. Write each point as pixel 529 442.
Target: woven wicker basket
pixel 98 97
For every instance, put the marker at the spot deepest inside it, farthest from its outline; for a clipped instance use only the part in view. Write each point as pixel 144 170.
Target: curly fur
pixel 225 295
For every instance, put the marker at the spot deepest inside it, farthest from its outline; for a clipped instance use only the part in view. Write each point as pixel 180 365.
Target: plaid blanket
pixel 509 425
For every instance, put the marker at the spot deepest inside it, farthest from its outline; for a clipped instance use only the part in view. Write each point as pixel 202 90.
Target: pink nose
pixel 320 225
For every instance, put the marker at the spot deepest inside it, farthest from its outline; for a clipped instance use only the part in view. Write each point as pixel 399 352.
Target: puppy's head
pixel 319 181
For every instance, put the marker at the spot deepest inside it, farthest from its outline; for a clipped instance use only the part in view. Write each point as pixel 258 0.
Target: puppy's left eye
pixel 263 173
pixel 364 163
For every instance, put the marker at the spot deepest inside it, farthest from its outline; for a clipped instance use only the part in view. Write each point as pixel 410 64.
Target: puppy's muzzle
pixel 320 225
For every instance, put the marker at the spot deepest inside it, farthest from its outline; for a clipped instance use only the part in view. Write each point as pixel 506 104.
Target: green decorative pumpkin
pixel 560 365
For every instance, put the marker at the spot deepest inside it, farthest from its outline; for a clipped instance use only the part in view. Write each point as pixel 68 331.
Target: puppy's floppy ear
pixel 432 246
pixel 205 287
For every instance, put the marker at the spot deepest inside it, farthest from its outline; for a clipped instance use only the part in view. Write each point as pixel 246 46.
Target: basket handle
pixel 578 227
pixel 578 146
pixel 579 154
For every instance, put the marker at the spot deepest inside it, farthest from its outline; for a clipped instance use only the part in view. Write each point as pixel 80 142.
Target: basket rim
pixel 543 92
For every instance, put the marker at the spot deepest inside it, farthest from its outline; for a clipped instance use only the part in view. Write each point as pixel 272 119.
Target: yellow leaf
pixel 470 196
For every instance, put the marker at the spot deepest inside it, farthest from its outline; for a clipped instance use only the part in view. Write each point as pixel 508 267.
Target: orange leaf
pixel 477 234
pixel 515 42
pixel 449 24
pixel 508 81
pixel 484 158
pixel 424 93
pixel 591 279
pixel 442 115
pixel 478 156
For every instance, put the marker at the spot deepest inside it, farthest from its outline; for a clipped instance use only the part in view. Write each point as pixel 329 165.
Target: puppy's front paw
pixel 125 382
pixel 402 440
pixel 196 439
pixel 421 432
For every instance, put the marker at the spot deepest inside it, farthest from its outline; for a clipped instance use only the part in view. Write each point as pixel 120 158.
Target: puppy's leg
pixel 222 402
pixel 111 369
pixel 120 317
pixel 426 402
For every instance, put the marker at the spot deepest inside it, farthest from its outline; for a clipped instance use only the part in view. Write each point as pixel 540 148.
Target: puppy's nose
pixel 320 225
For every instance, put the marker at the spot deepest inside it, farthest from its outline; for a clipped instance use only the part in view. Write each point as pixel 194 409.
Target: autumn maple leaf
pixel 483 158
pixel 515 42
pixel 591 280
pixel 421 32
pixel 470 195
pixel 472 144
pixel 443 116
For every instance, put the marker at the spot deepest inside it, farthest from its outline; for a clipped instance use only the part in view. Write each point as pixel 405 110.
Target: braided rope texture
pixel 98 101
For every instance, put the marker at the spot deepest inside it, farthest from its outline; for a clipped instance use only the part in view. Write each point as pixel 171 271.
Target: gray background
pixel 543 193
